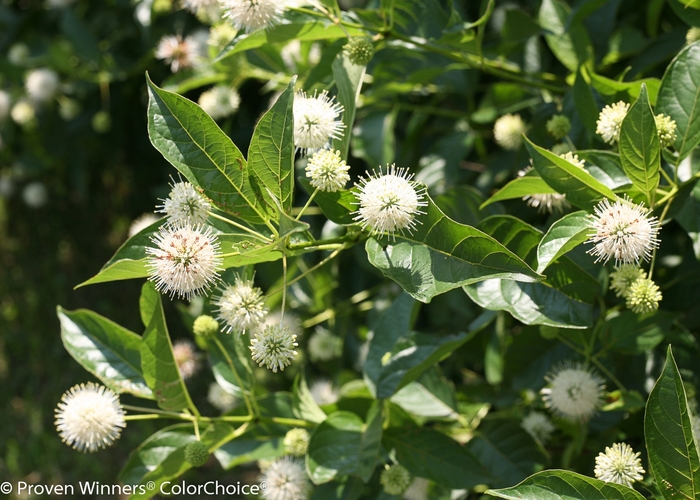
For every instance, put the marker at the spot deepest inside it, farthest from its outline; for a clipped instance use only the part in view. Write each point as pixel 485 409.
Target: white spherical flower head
pixel 538 426
pixel 252 15
pixel 184 205
pixel 42 84
pixel 574 392
pixel 220 101
pixel 186 358
pixel 323 393
pixel 219 398
pixel 574 160
pixel 610 121
pixel 619 464
pixel 22 112
pixel 666 128
pixel 286 479
pixel 327 170
pixel 184 261
pixel 195 5
pixel 324 346
pixel 296 442
pixel 643 296
pixel 273 347
pixel 89 417
pixel 389 203
pixel 177 51
pixel 623 231
pixel 241 306
pixel 508 131
pixel 316 121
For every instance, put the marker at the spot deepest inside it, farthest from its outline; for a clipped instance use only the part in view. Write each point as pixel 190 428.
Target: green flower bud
pixel 205 326
pixel 395 479
pixel 666 128
pixel 643 296
pixel 559 126
pixel 693 35
pixel 196 453
pixel 359 50
pixel 622 278
pixel 296 442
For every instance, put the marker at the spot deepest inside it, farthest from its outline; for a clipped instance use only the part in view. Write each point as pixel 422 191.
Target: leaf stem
pixel 240 226
pixel 311 198
pixel 239 381
pixel 661 220
pixel 310 270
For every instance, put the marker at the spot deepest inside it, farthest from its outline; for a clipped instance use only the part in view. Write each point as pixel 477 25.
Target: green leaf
pixel 148 301
pixel 226 354
pixel 631 333
pixel 410 356
pixel 640 152
pixel 612 88
pixel 431 396
pixel 605 167
pixel 342 445
pixel 580 187
pixel 271 152
pixel 565 485
pixel 519 188
pixel 584 102
pixel 105 349
pixel 668 431
pixel 189 139
pixel 304 406
pixel 679 98
pixel 570 44
pixel 504 448
pixel 689 218
pixel 348 79
pixel 693 4
pixel 432 455
pixel 563 236
pixel 337 206
pixel 442 254
pixel 158 364
pixel 127 262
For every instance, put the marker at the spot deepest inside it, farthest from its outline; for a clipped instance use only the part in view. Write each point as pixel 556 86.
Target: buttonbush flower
pixel 327 170
pixel 177 51
pixel 624 231
pixel 286 480
pixel 184 205
pixel 89 417
pixel 559 126
pixel 184 261
pixel 574 392
pixel 395 479
pixel 22 112
pixel 323 393
pixel 666 128
pixel 538 426
pixel 197 453
pixel 241 306
pixel 574 160
pixel 622 278
pixel 273 347
pixel 185 358
pixel 205 326
pixel 610 121
pixel 219 398
pixel 508 131
pixel 643 296
pixel 252 15
pixel 220 101
pixel 220 35
pixel 195 5
pixel 389 203
pixel 545 202
pixel 619 464
pixel 142 222
pixel 324 346
pixel 296 442
pixel 316 121
pixel 42 84
pixel 359 50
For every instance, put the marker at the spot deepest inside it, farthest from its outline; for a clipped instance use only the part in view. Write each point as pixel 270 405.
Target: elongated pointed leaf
pixel 304 405
pixel 229 354
pixel 105 349
pixel 570 44
pixel 565 485
pixel 189 139
pixel 581 188
pixel 563 236
pixel 668 431
pixel 679 97
pixel 271 151
pixel 605 166
pixel 348 78
pixel 442 255
pixel 640 152
pixel 158 364
pixel 586 106
pixel 519 188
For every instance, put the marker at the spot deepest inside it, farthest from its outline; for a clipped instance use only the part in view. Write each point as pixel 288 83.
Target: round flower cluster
pixel 220 101
pixel 544 202
pixel 42 84
pixel 538 426
pixel 643 296
pixel 666 128
pixel 508 131
pixel 359 50
pixel 610 121
pixel 205 326
pixel 621 278
pixel 186 358
pixel 327 170
pixel 296 442
pixel 619 464
pixel 89 417
pixel 574 160
pixel 389 203
pixel 316 121
pixel 395 479
pixel 177 51
pixel 559 126
pixel 574 392
pixel 286 480
pixel 184 205
pixel 251 15
pixel 241 306
pixel 274 347
pixel 324 346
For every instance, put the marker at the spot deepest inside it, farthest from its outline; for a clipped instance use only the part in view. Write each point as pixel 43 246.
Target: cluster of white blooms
pixel 666 128
pixel 538 426
pixel 619 464
pixel 184 205
pixel 323 392
pixel 241 306
pixel 316 121
pixel 610 121
pixel 296 442
pixel 142 222
pixel 186 358
pixel 508 132
pixel 251 15
pixel 286 479
pixel 179 52
pixel 324 346
pixel 623 231
pixel 327 170
pixel 549 202
pixel 621 278
pixel 89 417
pixel 574 392
pixel 273 347
pixel 42 84
pixel 643 296
pixel 219 398
pixel 389 203
pixel 220 101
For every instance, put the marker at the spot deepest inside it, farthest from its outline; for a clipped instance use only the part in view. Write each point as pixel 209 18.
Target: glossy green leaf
pixel 519 188
pixel 410 356
pixel 631 333
pixel 189 139
pixel 668 431
pixel 584 102
pixel 343 445
pixel 679 98
pixel 148 301
pixel 105 349
pixel 158 364
pixel 608 87
pixel 693 4
pixel 304 406
pixel 640 152
pixel 580 187
pixel 442 254
pixel 374 138
pixel 271 152
pixel 430 396
pixel 433 455
pixel 570 44
pixel 348 78
pixel 605 166
pixel 689 218
pixel 562 236
pixel 337 206
pixel 127 262
pixel 505 449
pixel 565 485
pixel 226 354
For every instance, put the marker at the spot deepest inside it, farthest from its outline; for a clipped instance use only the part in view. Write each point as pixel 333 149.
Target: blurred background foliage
pixel 76 174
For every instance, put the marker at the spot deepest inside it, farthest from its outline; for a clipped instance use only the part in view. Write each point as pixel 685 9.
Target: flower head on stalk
pixel 508 132
pixel 316 121
pixel 574 392
pixel 286 479
pixel 273 347
pixel 619 464
pixel 252 15
pixel 184 205
pixel 327 170
pixel 241 306
pixel 610 121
